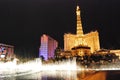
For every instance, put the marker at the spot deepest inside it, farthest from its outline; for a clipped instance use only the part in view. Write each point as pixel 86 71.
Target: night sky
pixel 22 22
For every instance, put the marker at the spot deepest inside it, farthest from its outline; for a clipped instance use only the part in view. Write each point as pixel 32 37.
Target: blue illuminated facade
pixel 47 47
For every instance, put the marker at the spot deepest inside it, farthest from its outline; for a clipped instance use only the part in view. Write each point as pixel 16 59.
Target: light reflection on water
pixel 66 70
pixel 51 75
pixel 35 70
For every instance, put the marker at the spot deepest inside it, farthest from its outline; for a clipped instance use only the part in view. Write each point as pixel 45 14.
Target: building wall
pixel 7 50
pixel 48 45
pixel 44 47
pixel 69 41
pixel 92 40
pixel 10 52
pixel 52 45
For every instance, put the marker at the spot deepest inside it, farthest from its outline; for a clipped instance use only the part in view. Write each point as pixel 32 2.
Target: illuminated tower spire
pixel 79 24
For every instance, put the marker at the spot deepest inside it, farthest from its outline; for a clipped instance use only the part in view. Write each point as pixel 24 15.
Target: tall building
pixel 6 51
pixel 90 40
pixel 48 46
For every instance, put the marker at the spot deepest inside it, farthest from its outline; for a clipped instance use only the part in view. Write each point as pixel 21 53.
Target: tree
pixel 57 52
pixel 96 57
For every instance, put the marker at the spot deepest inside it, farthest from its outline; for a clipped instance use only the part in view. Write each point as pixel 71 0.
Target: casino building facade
pixel 81 43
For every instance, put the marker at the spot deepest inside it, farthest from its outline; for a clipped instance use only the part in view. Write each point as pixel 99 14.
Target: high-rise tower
pixel 48 46
pixel 79 30
pixel 79 23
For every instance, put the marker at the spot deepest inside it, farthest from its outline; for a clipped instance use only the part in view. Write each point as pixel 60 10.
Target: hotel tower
pixel 48 46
